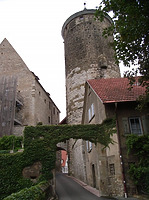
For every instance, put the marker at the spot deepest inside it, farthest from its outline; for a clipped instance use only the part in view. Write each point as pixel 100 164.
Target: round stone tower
pixel 88 55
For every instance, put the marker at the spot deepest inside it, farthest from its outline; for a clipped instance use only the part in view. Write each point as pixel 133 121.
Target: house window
pixel 88 146
pixel 135 125
pixel 91 112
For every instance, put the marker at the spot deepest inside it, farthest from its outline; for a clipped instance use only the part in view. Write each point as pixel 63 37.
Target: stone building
pixel 23 100
pixel 88 55
pixel 107 169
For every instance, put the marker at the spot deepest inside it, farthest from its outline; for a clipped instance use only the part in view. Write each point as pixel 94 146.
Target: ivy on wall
pixel 32 193
pixel 139 172
pixel 11 142
pixel 40 145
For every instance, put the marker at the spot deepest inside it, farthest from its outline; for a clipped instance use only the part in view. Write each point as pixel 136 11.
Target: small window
pixel 49 120
pixel 92 109
pixel 45 100
pixel 88 146
pixel 135 125
pixel 91 112
pixel 81 17
pixel 112 169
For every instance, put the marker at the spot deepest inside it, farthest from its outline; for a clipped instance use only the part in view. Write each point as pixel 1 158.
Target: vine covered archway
pixel 40 147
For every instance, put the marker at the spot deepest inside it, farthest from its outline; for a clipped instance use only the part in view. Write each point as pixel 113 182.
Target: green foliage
pixel 131 34
pixel 11 142
pixel 39 123
pixel 139 146
pixel 11 166
pixel 32 193
pixel 40 145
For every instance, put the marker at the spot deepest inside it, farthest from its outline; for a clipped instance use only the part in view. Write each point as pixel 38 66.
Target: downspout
pixel 120 151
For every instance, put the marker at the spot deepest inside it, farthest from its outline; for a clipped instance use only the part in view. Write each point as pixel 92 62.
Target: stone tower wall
pixel 88 55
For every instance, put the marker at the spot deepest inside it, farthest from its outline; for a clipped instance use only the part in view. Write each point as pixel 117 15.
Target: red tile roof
pixel 116 89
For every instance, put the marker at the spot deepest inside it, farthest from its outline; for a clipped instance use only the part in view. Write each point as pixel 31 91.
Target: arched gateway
pixel 39 153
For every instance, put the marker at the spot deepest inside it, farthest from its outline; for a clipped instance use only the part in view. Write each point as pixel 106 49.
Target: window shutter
pixel 145 122
pixel 125 125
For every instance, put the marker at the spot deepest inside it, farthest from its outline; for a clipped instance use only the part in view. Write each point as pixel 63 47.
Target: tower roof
pixel 83 12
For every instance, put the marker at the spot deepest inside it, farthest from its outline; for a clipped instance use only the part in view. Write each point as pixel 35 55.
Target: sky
pixel 33 28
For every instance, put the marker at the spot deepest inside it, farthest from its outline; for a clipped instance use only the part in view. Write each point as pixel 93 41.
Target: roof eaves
pixel 120 101
pixel 95 92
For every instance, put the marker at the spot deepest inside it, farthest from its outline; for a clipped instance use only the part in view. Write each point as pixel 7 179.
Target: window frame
pixel 140 126
pixel 91 112
pixel 89 146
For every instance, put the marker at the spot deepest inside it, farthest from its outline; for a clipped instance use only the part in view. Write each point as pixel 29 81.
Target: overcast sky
pixel 33 28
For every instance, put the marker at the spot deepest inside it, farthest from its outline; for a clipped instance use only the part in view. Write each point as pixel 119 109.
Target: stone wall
pixel 88 55
pixel 37 104
pixel 104 162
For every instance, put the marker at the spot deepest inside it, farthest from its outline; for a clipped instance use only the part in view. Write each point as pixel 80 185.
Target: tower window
pixel 81 17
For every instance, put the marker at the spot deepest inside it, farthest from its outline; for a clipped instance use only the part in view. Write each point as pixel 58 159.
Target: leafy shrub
pixel 32 193
pixel 139 146
pixel 40 146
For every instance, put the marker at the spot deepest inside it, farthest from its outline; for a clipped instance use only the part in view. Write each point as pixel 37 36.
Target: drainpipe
pixel 121 159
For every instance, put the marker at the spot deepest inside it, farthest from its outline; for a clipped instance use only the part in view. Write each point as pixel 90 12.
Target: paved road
pixel 68 189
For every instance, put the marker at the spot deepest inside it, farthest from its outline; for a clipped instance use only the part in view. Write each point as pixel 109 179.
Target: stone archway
pixel 40 152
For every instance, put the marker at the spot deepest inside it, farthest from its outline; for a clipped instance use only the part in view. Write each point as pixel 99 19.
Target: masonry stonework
pixel 37 104
pixel 88 55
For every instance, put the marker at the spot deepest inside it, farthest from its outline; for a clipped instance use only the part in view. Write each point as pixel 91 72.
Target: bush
pixel 32 193
pixel 139 172
pixel 40 146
